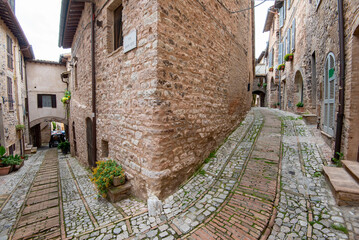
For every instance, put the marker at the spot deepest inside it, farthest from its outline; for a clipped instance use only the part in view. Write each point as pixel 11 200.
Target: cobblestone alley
pixel 264 182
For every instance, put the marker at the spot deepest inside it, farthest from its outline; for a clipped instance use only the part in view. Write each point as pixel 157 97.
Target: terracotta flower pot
pixel 300 109
pixel 17 167
pixel 5 170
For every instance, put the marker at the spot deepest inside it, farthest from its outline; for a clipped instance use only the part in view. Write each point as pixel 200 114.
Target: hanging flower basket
pixel 271 69
pixel 281 67
pixel 288 57
pixel 66 98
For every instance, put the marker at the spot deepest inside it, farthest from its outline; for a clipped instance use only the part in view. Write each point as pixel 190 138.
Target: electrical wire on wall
pixel 241 10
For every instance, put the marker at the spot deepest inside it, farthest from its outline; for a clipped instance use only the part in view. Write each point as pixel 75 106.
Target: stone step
pixel 352 167
pixel 118 193
pixel 310 119
pixel 344 187
pixel 33 149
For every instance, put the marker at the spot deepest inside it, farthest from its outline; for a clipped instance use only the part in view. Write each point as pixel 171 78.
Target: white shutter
pixel 281 14
pixel 284 46
pixel 284 9
pixel 293 35
pixel 280 53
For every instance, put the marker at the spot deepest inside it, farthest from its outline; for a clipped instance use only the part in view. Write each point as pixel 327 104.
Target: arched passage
pixel 40 129
pixel 258 98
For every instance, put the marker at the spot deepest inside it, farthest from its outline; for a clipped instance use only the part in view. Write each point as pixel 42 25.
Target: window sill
pixel 115 51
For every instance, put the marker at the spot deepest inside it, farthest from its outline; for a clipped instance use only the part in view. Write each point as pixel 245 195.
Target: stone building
pixel 45 90
pixel 260 83
pixel 309 31
pixel 156 85
pixel 14 50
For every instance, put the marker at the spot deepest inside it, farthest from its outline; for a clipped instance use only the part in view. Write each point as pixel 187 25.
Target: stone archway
pixel 260 95
pixel 40 130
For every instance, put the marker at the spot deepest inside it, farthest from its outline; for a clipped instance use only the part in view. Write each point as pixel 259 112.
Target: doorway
pixel 89 134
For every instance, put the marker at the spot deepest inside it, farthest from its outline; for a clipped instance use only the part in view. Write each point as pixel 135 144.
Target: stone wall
pixel 350 143
pixel 11 118
pixel 164 106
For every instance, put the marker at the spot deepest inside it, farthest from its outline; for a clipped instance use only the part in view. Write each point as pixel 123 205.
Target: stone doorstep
pixel 310 119
pixel 118 193
pixel 344 187
pixel 352 167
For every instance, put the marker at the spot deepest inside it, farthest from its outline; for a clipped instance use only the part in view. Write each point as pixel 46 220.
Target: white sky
pixel 40 21
pixel 260 17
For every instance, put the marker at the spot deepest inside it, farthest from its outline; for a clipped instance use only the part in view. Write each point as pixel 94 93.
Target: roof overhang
pixel 9 18
pixel 71 12
pixel 269 19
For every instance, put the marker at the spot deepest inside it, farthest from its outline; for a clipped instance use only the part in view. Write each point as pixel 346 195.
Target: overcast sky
pixel 40 21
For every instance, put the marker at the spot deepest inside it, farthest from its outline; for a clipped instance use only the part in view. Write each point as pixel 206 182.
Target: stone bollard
pixel 154 206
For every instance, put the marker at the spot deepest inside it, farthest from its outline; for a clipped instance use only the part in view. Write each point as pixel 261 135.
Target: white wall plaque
pixel 130 41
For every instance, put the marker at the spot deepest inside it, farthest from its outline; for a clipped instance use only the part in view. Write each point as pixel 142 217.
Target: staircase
pixel 344 182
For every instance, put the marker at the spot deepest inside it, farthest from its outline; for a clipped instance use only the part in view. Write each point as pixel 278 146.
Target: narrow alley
pixel 264 182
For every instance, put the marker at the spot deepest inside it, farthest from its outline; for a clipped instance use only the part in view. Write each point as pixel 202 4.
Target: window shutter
pixel 281 17
pixel 284 46
pixel 284 9
pixel 53 101
pixel 270 59
pixel 288 41
pixel 280 53
pixel 9 94
pixel 39 100
pixel 288 4
pixel 293 35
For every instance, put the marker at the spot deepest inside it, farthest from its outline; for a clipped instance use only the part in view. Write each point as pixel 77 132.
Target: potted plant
pixel 288 57
pixel 4 167
pixel 66 98
pixel 271 69
pixel 300 107
pixel 281 67
pixel 259 85
pixel 64 146
pixel 105 173
pixel 264 85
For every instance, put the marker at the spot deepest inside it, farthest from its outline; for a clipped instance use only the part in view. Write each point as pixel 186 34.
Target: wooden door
pixel 90 156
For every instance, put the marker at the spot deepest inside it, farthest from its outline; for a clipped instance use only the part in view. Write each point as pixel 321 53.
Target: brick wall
pixel 166 105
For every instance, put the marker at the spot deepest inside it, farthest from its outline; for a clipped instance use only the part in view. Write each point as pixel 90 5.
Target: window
pixel 289 4
pixel 105 150
pixel 9 94
pixel 284 47
pixel 46 100
pixel 117 27
pixel 293 35
pixel 21 66
pixel 329 95
pixel 9 52
pixel 12 150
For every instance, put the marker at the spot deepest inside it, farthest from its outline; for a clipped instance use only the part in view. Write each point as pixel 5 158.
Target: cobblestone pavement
pixel 264 182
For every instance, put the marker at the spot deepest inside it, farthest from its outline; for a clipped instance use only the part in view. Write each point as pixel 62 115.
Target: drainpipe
pixel 94 135
pixel 340 115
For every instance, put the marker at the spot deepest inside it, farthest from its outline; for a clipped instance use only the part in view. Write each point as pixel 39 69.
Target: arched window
pixel 329 95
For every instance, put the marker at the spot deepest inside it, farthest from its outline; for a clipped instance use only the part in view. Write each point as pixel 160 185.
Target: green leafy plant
pixel 202 172
pixel 278 103
pixel 2 152
pixel 338 161
pixel 64 146
pixel 66 98
pixel 104 173
pixel 281 67
pixel 340 227
pixel 259 85
pixel 53 125
pixel 12 160
pixel 317 174
pixel 288 57
pixel 19 127
pixel 210 157
pixel 300 104
pixel 264 85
